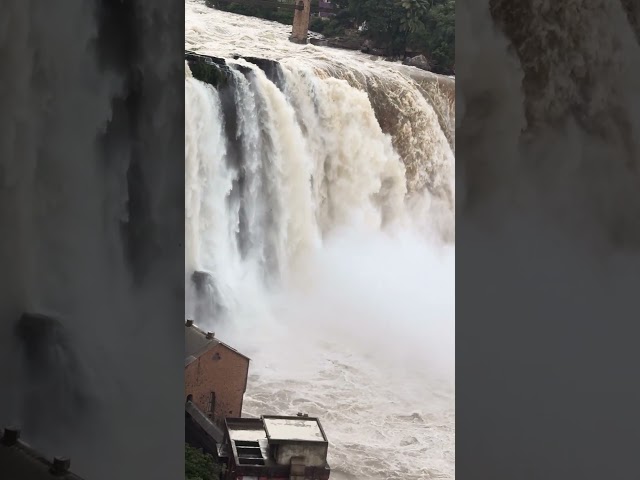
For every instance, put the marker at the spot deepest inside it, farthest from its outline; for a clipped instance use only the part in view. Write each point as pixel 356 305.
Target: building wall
pixel 325 9
pixel 315 455
pixel 226 376
pixel 318 475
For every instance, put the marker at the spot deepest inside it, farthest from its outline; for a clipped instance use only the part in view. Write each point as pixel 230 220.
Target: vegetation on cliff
pixel 211 70
pixel 396 28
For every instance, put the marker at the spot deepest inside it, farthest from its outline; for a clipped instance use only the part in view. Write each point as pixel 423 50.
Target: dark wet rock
pixel 419 61
pixel 270 67
pixel 315 36
pixel 242 69
pixel 57 390
pixel 369 47
pixel 208 301
pixel 201 280
pixel 319 42
pixel 350 42
pixel 211 70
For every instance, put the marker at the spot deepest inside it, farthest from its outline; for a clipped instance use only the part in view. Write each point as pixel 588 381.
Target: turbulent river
pixel 320 201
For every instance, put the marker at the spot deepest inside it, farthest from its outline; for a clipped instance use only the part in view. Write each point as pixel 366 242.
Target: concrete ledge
pixel 18 460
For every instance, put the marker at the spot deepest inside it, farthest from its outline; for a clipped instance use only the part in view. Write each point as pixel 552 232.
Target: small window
pixel 211 406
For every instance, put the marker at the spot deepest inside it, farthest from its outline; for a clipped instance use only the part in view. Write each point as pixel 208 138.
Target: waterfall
pixel 273 167
pixel 320 239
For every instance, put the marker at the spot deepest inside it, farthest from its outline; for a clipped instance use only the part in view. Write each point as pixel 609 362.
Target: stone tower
pixel 301 22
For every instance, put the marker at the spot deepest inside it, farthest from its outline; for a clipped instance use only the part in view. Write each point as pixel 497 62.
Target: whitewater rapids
pixel 320 199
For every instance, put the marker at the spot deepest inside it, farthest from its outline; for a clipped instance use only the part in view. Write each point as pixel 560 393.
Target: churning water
pixel 320 201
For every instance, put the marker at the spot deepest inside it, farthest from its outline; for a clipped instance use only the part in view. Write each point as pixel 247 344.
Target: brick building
pixel 275 448
pixel 215 375
pixel 325 9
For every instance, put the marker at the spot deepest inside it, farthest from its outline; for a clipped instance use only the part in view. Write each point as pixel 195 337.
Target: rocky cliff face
pixel 570 56
pixel 632 9
pixel 546 109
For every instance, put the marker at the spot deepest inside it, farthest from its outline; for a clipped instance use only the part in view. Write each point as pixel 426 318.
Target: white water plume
pixel 330 177
pixel 363 339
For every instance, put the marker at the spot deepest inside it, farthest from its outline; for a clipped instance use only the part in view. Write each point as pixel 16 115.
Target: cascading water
pixel 320 217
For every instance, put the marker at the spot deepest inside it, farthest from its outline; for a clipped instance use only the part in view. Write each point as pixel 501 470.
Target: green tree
pixel 441 33
pixel 416 12
pixel 199 465
pixel 383 21
pixel 395 26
